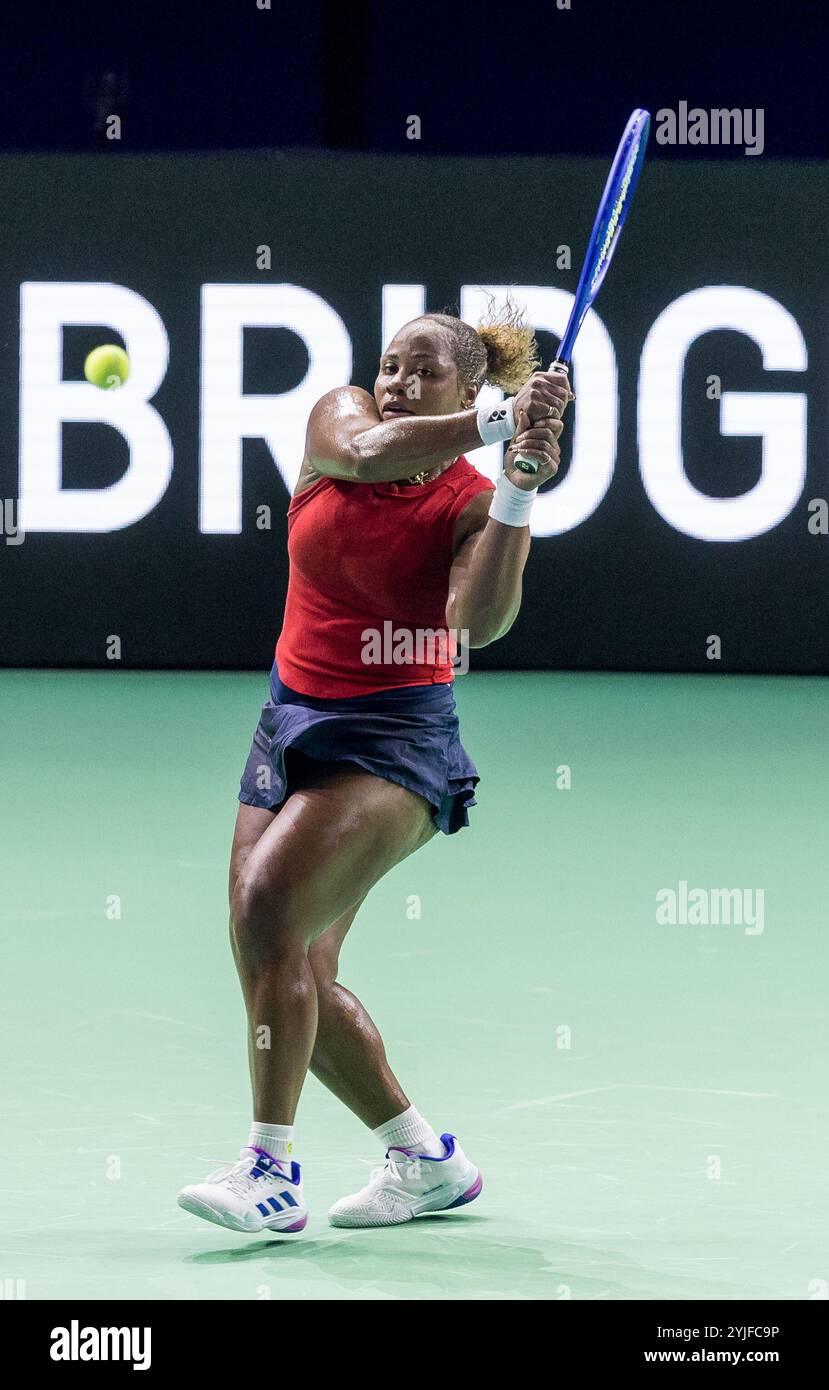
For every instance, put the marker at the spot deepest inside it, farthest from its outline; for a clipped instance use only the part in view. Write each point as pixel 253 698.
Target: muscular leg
pixel 251 824
pixel 293 874
pixel 349 1056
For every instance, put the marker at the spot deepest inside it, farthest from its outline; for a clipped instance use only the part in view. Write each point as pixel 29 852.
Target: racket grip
pixel 522 463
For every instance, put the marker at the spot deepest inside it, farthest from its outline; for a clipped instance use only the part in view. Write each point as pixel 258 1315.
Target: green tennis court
pixel 646 1100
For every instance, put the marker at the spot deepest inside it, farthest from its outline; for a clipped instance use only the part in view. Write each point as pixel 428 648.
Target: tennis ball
pixel 107 366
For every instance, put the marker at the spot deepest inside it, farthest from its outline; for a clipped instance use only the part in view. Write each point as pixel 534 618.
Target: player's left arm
pixel 485 581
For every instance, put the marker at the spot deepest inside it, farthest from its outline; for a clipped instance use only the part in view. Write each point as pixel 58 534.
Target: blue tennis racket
pixel 610 218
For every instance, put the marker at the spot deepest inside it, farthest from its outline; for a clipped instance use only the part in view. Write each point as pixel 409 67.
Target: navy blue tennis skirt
pixel 409 736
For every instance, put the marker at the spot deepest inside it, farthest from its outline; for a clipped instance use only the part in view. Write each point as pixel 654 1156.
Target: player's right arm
pixel 346 437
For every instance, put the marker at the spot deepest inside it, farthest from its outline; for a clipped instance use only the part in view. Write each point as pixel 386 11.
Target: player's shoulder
pixel 345 401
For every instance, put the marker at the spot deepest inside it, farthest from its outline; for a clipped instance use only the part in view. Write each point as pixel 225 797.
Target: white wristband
pixel 511 504
pixel 496 423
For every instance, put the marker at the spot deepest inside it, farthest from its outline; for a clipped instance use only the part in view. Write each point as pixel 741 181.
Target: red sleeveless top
pixel 368 583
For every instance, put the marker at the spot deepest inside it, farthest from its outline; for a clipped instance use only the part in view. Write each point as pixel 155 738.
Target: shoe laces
pixel 395 1170
pixel 383 1189
pixel 237 1176
pixel 390 1169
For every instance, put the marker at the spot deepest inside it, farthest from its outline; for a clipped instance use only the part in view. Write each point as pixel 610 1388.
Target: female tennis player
pixel 356 761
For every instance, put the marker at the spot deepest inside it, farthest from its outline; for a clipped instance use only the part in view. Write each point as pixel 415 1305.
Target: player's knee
pixel 264 918
pixel 323 961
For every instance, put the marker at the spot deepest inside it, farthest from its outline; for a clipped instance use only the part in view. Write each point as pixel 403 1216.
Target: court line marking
pixel 635 1086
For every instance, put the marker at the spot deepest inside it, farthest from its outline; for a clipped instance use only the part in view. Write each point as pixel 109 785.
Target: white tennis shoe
pixel 259 1193
pixel 409 1185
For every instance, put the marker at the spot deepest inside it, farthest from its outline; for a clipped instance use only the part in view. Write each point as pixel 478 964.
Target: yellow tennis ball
pixel 107 366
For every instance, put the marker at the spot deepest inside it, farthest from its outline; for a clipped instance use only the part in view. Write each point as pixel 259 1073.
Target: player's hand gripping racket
pixel 610 218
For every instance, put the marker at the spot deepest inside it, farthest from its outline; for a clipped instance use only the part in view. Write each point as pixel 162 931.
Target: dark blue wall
pixel 328 73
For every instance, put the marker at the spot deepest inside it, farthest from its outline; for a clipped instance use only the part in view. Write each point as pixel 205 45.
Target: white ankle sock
pixel 410 1131
pixel 277 1140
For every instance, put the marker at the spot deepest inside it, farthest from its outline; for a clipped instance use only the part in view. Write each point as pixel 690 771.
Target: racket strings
pixel 613 223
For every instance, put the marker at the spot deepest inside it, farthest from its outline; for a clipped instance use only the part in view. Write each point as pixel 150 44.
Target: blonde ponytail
pixel 511 349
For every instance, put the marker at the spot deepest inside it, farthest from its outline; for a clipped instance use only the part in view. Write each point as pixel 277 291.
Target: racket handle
pixel 522 463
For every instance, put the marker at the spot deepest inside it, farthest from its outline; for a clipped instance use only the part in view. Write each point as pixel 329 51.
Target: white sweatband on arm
pixel 496 422
pixel 511 504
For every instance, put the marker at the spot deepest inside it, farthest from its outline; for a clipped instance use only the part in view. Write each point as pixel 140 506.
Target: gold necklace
pixel 420 478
